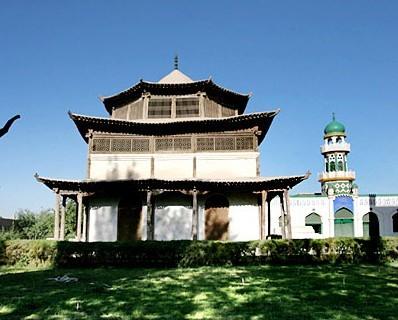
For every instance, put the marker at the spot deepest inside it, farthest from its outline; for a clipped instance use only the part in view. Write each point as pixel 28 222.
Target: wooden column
pixel 79 205
pixel 62 227
pixel 195 215
pixel 86 222
pixel 283 221
pixel 269 216
pixel 264 215
pixel 56 216
pixel 289 218
pixel 84 232
pixel 150 216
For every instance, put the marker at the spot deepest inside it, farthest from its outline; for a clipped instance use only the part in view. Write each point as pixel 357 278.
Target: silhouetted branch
pixel 8 124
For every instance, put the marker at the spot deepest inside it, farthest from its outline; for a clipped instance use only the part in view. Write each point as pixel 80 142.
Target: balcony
pixel 343 146
pixel 337 175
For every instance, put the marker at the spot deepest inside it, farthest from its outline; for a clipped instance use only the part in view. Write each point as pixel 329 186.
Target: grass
pixel 256 292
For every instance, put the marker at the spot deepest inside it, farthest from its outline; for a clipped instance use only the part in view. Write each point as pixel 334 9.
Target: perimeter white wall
pixel 384 206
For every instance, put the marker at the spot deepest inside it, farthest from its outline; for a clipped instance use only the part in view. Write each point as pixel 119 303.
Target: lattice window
pixel 140 145
pixel 227 112
pixel 244 143
pixel 121 145
pixel 159 108
pixel 101 145
pixel 187 107
pixel 225 143
pixel 164 144
pixel 205 144
pixel 182 144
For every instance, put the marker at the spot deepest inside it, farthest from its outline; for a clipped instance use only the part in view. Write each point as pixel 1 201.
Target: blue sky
pixel 309 58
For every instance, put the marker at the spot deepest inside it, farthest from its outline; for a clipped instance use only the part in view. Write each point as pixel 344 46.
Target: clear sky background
pixel 309 58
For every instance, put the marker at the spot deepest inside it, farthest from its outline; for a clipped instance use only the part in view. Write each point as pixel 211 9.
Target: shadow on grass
pixel 265 292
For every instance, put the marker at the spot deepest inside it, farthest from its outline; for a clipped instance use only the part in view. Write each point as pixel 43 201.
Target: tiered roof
pixel 177 83
pixel 251 184
pixel 260 120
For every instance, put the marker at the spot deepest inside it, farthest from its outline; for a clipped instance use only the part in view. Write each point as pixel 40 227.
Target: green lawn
pixel 266 292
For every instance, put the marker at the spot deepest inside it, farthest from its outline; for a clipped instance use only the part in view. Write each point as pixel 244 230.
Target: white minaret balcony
pixel 336 175
pixel 342 146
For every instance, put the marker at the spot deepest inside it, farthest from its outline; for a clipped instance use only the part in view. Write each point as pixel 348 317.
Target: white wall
pixel 121 166
pixel 103 220
pixel 244 222
pixel 226 165
pixel 173 217
pixel 384 207
pixel 173 165
pixel 300 207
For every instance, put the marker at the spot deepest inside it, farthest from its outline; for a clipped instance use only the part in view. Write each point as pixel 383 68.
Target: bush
pixel 29 252
pixel 196 253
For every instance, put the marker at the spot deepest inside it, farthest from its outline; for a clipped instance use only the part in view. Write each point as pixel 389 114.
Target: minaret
pixel 336 179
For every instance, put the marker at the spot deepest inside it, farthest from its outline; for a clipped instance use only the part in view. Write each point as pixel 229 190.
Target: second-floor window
pixel 187 107
pixel 159 108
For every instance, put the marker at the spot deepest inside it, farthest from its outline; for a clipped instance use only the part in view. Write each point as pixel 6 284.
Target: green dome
pixel 334 127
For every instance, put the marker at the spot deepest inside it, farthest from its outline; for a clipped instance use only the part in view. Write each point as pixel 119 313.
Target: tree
pixel 31 225
pixel 40 225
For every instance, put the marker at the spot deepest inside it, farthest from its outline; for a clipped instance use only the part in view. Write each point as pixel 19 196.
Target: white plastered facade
pixel 173 165
pixel 384 206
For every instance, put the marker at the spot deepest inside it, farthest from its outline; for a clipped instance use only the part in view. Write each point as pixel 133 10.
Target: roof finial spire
pixel 333 116
pixel 176 62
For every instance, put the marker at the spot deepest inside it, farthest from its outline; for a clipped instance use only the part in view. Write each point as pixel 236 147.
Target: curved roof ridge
pixel 260 120
pixel 222 95
pixel 103 98
pixel 274 112
pixel 269 183
pixel 210 80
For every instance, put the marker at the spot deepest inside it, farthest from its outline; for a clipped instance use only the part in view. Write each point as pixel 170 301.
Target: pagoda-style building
pixel 176 159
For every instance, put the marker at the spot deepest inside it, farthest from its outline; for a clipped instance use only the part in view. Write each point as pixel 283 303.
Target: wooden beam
pixel 288 216
pixel 269 217
pixel 56 216
pixel 85 224
pixel 195 216
pixel 283 214
pixel 62 227
pixel 150 216
pixel 79 204
pixel 264 215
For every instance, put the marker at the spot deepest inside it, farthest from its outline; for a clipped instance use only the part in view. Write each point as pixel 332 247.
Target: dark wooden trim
pixel 79 204
pixel 262 120
pixel 274 185
pixel 288 215
pixel 57 215
pixel 150 216
pixel 283 215
pixel 62 223
pixel 195 215
pixel 216 93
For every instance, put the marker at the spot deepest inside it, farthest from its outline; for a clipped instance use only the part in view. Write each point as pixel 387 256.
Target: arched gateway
pixel 370 225
pixel 344 223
